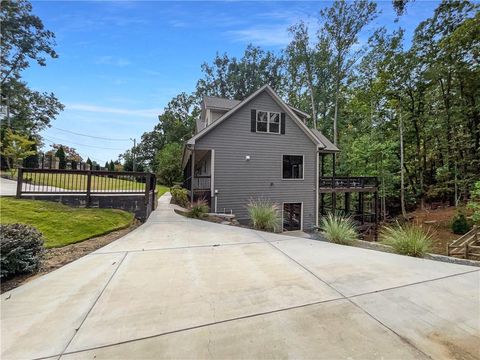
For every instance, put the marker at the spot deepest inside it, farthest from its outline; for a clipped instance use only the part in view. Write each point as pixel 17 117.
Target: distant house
pixel 256 148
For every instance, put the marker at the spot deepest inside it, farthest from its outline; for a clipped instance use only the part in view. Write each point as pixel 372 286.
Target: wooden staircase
pixel 467 246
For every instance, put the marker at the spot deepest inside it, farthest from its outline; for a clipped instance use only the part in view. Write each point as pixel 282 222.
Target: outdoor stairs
pixel 467 246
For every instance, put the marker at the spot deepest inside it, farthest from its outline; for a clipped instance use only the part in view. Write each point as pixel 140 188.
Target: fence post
pixel 89 188
pixel 19 182
pixel 147 188
pixel 466 251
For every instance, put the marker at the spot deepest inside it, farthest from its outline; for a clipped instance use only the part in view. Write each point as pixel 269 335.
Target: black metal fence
pixel 86 182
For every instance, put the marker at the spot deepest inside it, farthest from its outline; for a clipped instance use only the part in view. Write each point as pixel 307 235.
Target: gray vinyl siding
pixel 238 180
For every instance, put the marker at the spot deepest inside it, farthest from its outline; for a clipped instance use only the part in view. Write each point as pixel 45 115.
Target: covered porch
pixel 198 167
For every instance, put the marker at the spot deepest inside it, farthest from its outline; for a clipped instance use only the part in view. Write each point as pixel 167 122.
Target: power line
pixel 94 159
pixel 90 136
pixel 92 146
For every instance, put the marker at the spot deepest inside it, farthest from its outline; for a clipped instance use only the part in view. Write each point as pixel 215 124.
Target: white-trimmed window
pixel 268 121
pixel 292 167
pixel 262 121
pixel 274 122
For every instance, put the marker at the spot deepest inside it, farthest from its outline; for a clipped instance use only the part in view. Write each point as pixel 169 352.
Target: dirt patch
pixel 57 257
pixel 437 222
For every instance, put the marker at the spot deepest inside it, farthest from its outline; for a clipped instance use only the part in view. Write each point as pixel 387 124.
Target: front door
pixel 292 216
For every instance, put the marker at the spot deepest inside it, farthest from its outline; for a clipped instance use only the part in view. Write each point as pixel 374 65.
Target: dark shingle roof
pixel 220 103
pixel 323 139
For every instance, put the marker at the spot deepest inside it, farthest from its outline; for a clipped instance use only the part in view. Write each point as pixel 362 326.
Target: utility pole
pixel 133 154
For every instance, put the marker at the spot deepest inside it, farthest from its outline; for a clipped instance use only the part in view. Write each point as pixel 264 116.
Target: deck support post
pixel 360 207
pixel 347 203
pixel 322 204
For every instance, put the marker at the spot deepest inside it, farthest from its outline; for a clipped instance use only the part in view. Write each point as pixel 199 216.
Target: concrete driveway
pixel 183 288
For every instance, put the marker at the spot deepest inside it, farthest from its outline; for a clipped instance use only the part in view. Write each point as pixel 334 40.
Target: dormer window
pixel 268 121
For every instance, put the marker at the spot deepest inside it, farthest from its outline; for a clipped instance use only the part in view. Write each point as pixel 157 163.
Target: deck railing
pixel 86 182
pixel 200 182
pixel 348 182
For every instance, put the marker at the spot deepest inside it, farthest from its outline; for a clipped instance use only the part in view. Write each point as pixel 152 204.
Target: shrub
pixel 408 239
pixel 179 196
pixel 460 224
pixel 474 203
pixel 264 214
pixel 21 247
pixel 339 229
pixel 198 209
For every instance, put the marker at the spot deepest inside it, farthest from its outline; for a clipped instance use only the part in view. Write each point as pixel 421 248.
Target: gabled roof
pixel 314 137
pixel 219 103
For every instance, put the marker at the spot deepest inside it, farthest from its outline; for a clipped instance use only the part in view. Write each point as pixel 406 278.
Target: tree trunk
pixel 335 117
pixel 402 171
pixel 312 100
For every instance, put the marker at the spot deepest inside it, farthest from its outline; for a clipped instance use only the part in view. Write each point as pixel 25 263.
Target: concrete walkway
pixel 183 288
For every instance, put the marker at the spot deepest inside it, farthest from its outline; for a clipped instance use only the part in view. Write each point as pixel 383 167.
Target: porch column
pixel 192 176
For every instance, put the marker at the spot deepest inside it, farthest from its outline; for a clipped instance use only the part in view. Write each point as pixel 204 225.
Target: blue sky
pixel 121 62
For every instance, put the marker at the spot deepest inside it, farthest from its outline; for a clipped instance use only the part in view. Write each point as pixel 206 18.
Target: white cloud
pixel 269 35
pixel 112 60
pixel 113 110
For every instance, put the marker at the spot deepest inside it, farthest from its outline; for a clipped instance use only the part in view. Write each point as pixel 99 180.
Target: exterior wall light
pixel 247 157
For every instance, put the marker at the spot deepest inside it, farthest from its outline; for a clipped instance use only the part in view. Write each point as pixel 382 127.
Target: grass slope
pixel 60 224
pixel 79 182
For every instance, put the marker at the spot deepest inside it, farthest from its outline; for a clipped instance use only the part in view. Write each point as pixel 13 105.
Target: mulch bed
pixel 55 258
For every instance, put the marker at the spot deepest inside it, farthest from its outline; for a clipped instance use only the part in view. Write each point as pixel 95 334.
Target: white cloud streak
pixel 147 113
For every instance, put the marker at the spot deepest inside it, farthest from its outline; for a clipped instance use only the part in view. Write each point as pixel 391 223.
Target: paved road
pixel 8 187
pixel 183 288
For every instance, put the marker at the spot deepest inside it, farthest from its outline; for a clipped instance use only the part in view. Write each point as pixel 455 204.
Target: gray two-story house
pixel 256 148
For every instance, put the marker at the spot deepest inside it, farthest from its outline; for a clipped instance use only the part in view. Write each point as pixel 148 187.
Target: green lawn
pixel 161 189
pixel 79 182
pixel 60 224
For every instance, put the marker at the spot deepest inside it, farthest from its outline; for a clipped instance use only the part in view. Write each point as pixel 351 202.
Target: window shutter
pixel 282 123
pixel 253 127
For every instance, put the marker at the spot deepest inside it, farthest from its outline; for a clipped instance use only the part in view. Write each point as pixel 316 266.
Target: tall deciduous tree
pixel 25 40
pixel 342 24
pixel 234 78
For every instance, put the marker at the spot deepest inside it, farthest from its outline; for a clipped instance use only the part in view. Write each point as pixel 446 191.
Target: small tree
pixel 15 148
pixel 169 164
pixel 62 158
pixel 89 162
pixel 111 166
pixel 474 203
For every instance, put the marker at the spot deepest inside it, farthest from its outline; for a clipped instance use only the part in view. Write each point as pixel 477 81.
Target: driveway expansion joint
pixel 351 301
pixel 94 303
pixel 200 326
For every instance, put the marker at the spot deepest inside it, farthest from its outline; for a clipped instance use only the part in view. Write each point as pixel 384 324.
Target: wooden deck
pixel 347 184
